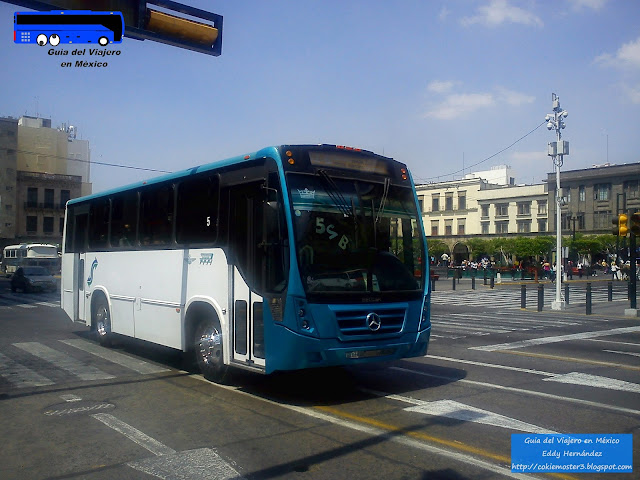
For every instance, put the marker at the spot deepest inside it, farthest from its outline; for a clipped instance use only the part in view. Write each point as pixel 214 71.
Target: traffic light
pixel 634 223
pixel 621 228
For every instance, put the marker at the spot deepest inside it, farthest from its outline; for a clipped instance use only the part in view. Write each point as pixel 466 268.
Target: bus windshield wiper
pixel 335 194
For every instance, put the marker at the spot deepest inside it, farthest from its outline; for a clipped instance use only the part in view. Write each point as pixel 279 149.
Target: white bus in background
pixel 30 254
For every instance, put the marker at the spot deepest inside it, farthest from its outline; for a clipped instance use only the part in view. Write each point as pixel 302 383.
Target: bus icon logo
pixel 68 27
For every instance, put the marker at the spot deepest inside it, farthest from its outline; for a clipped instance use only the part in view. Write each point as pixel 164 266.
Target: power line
pixel 92 162
pixel 486 159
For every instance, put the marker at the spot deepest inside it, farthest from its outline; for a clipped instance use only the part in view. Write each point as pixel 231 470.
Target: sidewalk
pixel 577 293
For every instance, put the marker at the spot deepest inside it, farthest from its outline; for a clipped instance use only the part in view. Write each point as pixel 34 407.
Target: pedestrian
pixel 580 269
pixel 614 271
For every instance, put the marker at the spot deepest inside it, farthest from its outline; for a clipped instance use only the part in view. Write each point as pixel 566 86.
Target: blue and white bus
pixel 68 27
pixel 287 258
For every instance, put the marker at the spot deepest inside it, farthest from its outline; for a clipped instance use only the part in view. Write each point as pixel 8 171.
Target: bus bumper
pixel 306 352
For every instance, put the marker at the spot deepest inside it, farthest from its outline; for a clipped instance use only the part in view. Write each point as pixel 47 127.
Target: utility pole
pixel 557 150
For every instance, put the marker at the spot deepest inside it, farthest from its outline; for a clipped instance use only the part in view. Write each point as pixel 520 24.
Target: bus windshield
pixel 355 236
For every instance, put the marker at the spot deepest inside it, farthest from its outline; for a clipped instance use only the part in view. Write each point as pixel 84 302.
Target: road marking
pixel 534 393
pixel 25 305
pixel 21 376
pixel 132 363
pixel 571 359
pixel 623 353
pixel 577 378
pixel 70 397
pixel 612 341
pixel 467 413
pixel 555 339
pixel 456 451
pixel 61 360
pixel 492 365
pixel 187 465
pixel 133 434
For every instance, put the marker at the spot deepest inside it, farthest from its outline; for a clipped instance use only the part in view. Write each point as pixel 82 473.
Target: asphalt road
pixel 72 409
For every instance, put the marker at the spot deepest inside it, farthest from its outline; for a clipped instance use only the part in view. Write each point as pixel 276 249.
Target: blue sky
pixel 439 85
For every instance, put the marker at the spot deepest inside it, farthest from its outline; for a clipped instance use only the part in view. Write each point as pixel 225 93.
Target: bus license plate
pixel 370 353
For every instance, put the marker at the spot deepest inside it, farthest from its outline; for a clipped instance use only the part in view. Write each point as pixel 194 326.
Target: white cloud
pixel 458 105
pixel 628 55
pixel 444 13
pixel 440 87
pixel 514 99
pixel 498 12
pixel 590 4
pixel 634 94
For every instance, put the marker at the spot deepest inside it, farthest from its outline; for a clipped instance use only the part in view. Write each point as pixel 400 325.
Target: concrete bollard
pixel 566 294
pixel 610 292
pixel 588 299
pixel 523 296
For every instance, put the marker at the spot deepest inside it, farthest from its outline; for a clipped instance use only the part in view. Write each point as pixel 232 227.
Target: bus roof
pixel 29 245
pixel 272 151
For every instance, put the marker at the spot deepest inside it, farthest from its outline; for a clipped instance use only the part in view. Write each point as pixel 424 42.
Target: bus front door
pixel 247 327
pixel 74 291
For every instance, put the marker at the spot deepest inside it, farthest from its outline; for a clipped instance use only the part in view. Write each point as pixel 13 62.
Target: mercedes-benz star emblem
pixel 373 322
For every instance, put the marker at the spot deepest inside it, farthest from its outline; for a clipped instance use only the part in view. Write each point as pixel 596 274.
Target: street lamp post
pixel 557 151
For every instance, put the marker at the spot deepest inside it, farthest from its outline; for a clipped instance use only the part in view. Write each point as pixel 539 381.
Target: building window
pixel 462 201
pixel 65 196
pixel 542 207
pixel 435 203
pixel 448 227
pixel 61 225
pixel 485 228
pixel 565 221
pixel 502 209
pixel 32 197
pixel 8 208
pixel 524 208
pixel 485 210
pixel 601 191
pixel 448 201
pixel 47 225
pixel 524 227
pixel 581 224
pixel 581 194
pixel 32 224
pixel 461 226
pixel 421 202
pixel 502 227
pixel 566 194
pixel 48 198
pixel 631 189
pixel 602 219
pixel 542 225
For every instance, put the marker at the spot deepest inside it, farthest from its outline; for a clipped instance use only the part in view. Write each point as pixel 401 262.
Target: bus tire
pixel 207 347
pixel 103 41
pixel 102 322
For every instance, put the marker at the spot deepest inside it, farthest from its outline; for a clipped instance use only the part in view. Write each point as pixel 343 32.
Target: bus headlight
pixel 425 317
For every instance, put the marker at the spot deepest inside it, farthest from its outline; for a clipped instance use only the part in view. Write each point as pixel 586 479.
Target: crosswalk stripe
pixel 61 360
pixel 139 366
pixel 19 375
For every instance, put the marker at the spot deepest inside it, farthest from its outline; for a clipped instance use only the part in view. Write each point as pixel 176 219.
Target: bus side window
pixel 124 214
pixel 197 209
pixel 156 215
pixel 99 224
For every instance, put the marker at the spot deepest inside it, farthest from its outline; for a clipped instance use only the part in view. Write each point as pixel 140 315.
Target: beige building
pixel 42 168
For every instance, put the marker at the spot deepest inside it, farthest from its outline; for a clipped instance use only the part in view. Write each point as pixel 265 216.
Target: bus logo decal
pixel 373 322
pixel 306 193
pixel 206 258
pixel 94 265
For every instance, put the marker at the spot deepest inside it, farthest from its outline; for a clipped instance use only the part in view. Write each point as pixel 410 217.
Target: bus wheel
pixel 102 322
pixel 207 346
pixel 103 41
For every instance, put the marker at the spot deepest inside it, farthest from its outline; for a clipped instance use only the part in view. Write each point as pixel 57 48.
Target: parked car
pixel 29 279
